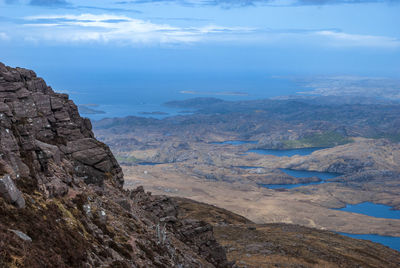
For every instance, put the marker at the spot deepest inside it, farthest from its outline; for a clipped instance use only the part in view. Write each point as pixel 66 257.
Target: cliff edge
pixel 61 197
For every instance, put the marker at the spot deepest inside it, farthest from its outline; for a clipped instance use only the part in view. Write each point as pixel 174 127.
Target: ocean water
pixel 121 93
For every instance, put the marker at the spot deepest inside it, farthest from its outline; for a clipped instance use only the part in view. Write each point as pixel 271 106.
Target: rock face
pixel 62 189
pixel 43 136
pixel 196 234
pixel 10 192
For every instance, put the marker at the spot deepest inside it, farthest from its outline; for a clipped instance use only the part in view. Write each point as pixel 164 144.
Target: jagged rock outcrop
pixel 43 136
pixel 197 234
pixel 61 197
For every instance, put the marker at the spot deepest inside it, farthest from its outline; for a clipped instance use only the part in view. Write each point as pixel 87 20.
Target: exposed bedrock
pixel 42 136
pixel 61 197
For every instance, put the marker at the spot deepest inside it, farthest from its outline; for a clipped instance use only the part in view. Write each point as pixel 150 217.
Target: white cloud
pixel 345 39
pixel 124 29
pixel 4 36
pixel 90 27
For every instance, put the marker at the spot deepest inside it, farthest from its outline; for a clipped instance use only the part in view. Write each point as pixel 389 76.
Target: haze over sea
pixel 134 93
pixel 131 56
pixel 118 58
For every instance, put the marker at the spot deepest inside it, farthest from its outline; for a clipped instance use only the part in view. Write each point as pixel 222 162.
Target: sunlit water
pixel 126 93
pixel 291 152
pixel 379 211
pixel 148 163
pixel 302 174
pixel 389 241
pixel 367 208
pixel 374 210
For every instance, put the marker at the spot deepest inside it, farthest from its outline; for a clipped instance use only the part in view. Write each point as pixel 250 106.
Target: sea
pixel 120 94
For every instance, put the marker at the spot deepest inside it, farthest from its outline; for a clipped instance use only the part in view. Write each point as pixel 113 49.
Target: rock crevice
pixel 39 126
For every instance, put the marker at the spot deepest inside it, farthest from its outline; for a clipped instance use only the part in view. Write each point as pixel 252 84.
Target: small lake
pixel 367 208
pixel 234 142
pixel 302 174
pixel 291 152
pixel 248 167
pixel 148 163
pixel 374 210
pixel 389 241
pixel 379 211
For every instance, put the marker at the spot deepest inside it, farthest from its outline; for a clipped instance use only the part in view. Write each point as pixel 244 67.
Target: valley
pixel 285 245
pixel 280 167
pixel 65 201
pixel 200 134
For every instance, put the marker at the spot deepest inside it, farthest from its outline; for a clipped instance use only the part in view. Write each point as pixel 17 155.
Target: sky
pixel 233 43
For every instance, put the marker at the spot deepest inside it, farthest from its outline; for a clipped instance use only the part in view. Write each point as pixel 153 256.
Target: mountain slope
pixel 62 204
pixel 285 245
pixel 61 197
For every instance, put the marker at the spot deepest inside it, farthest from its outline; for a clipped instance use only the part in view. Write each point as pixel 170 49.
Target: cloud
pixel 65 4
pixel 48 3
pixel 222 3
pixel 4 36
pixel 108 9
pixel 357 40
pixel 186 19
pixel 123 29
pixel 336 2
pixel 245 3
pixel 113 28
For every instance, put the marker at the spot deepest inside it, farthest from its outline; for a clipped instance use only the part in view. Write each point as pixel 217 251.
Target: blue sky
pixel 68 41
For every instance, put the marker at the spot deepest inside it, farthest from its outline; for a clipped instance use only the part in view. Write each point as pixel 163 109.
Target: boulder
pixel 50 151
pixel 21 235
pixel 9 192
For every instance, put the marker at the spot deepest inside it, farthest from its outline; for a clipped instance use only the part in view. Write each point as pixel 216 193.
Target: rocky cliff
pixel 61 197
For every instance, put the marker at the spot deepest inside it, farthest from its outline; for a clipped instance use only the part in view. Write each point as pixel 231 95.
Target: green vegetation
pixel 127 159
pixel 328 139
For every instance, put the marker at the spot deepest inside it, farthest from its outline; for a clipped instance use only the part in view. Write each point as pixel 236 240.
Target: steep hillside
pixel 61 197
pixel 62 204
pixel 285 245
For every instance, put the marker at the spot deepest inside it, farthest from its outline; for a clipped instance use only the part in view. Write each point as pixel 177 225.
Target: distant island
pixel 84 109
pixel 154 113
pixel 303 157
pixel 352 86
pixel 222 93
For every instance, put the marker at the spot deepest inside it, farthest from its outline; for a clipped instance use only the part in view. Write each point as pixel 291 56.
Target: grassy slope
pixel 328 139
pixel 285 245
